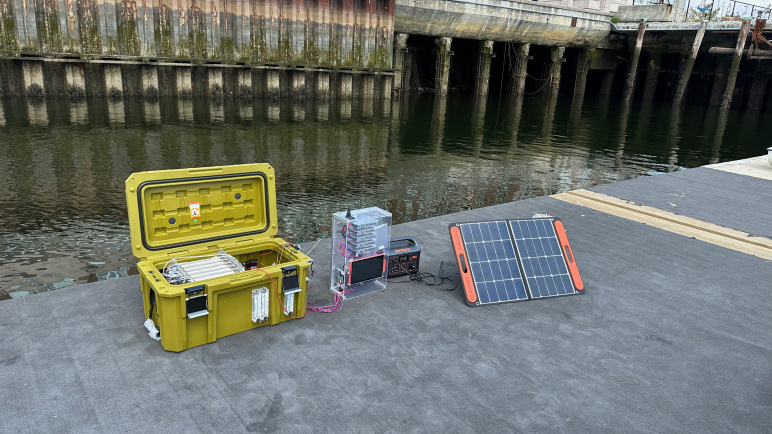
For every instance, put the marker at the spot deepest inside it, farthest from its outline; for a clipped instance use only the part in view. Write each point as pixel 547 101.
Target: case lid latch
pixel 290 281
pixel 196 301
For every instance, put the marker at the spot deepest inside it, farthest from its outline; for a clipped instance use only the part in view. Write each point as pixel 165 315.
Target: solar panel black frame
pixel 528 254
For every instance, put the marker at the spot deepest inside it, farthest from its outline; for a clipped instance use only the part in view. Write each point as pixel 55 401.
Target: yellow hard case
pixel 189 213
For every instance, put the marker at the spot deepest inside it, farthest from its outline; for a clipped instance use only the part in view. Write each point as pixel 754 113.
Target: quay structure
pixel 377 49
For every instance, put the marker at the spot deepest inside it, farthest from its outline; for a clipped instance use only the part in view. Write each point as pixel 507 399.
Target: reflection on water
pixel 62 165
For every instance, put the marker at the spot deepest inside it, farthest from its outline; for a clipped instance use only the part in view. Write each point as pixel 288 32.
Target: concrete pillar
pixel 185 109
pixel 113 81
pixel 184 85
pixel 726 99
pixel 346 86
pixel 322 85
pixel 298 84
pixel 758 87
pixel 400 48
pixel 719 80
pixel 582 69
pixel 214 77
pixel 368 87
pixel 245 83
pixel 437 128
pixel 652 73
pixel 345 108
pixel 607 85
pixel 272 84
pixel 442 76
pixel 150 81
pixel 521 68
pixel 76 80
pixel 556 62
pixel 631 74
pixel 32 77
pixel 483 69
pixel 387 82
pixel 686 71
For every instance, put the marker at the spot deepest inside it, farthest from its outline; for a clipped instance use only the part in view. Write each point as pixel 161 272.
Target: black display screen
pixel 366 269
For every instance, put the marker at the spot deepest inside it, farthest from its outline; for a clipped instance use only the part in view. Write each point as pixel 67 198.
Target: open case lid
pixel 181 209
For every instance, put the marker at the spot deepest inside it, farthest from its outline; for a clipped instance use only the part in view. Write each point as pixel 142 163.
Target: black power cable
pixel 430 279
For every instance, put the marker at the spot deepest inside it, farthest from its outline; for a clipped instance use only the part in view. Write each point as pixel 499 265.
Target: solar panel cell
pixel 513 260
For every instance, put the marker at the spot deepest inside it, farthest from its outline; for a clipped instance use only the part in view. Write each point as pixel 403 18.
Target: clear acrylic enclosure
pixel 360 242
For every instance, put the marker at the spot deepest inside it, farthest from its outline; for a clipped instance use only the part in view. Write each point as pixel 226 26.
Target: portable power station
pixel 404 256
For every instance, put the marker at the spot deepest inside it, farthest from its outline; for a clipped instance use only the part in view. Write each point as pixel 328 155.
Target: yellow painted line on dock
pixel 678 224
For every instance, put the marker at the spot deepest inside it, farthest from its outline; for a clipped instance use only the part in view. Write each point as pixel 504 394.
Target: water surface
pixel 63 217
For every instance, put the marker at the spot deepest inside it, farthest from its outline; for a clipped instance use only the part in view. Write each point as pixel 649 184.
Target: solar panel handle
pixel 462 262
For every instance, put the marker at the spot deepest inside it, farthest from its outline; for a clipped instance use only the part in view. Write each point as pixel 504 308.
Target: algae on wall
pixel 90 40
pixel 49 33
pixel 8 43
pixel 128 36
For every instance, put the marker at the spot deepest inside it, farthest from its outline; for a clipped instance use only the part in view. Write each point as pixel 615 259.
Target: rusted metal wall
pixel 315 33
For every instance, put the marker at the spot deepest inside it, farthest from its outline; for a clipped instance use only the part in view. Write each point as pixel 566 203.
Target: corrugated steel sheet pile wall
pixel 356 34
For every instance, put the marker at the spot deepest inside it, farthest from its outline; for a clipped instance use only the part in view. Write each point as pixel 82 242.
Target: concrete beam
pixel 32 78
pixel 407 72
pixel 246 91
pixel 113 81
pixel 387 86
pixel 322 85
pixel 556 62
pixel 214 77
pixel 184 83
pixel 483 69
pixel 150 81
pixel 521 68
pixel 368 87
pixel 631 74
pixel 346 86
pixel 726 99
pixel 76 80
pixel 298 84
pixel 272 84
pixel 443 66
pixel 400 48
pixel 496 20
pixel 652 73
pixel 686 71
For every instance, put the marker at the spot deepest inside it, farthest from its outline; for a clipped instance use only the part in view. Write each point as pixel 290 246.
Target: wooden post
pixel 630 82
pixel 443 66
pixel 556 62
pixel 521 68
pixel 400 48
pixel 726 100
pixel 483 69
pixel 686 72
pixel 652 73
pixel 582 68
pixel 756 97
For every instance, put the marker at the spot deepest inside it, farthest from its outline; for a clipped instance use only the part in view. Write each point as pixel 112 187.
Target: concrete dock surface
pixel 673 334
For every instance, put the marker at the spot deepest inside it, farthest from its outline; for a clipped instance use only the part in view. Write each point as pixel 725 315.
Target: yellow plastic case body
pixel 196 212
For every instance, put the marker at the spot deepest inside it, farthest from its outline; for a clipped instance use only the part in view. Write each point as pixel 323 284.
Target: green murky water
pixel 62 165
